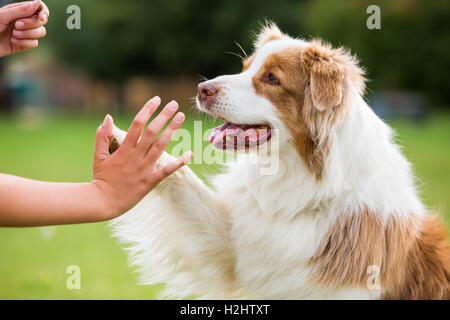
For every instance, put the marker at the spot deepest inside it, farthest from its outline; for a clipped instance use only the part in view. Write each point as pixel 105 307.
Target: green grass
pixel 427 146
pixel 33 266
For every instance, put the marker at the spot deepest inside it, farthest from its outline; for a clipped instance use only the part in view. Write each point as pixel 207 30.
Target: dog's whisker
pixel 235 54
pixel 242 49
pixel 202 77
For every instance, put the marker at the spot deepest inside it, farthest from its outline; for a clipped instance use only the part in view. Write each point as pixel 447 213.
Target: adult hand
pixel 21 26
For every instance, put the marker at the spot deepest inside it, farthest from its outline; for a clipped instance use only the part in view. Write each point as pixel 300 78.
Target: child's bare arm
pixel 27 202
pixel 120 181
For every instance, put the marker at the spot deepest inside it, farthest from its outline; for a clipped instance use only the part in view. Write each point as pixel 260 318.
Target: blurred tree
pixel 169 37
pixel 410 51
pixel 164 37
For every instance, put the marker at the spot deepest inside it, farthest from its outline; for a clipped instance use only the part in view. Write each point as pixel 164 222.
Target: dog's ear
pixel 325 70
pixel 269 31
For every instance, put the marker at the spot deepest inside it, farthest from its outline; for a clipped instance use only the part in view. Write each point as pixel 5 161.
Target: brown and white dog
pixel 341 217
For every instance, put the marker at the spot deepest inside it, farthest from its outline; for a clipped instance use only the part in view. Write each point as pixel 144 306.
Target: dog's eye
pixel 271 79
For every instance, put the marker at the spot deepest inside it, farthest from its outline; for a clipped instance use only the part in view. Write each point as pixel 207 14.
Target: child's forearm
pixel 121 180
pixel 25 202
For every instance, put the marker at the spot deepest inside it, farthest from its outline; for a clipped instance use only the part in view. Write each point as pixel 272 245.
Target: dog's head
pixel 297 87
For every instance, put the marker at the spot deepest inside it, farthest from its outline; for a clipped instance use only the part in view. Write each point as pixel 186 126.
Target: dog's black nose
pixel 207 92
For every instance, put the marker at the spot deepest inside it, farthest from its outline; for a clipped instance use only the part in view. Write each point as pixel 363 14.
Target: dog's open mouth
pixel 232 136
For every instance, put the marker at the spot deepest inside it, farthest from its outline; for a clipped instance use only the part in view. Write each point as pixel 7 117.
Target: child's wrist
pixel 104 205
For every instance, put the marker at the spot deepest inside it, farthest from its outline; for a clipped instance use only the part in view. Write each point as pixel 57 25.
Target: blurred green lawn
pixel 33 264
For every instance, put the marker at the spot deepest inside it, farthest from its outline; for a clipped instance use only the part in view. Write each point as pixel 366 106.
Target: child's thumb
pixel 102 139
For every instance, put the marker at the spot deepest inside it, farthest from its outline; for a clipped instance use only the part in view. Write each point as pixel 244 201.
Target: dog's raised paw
pixel 113 144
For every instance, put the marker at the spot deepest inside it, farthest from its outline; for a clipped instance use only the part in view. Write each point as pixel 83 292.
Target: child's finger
pixel 30 34
pixel 29 23
pixel 157 125
pixel 174 166
pixel 164 139
pixel 101 151
pixel 139 122
pixel 24 44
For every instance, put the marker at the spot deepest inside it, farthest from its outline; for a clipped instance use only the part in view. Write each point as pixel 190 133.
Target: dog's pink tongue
pixel 234 136
pixel 218 133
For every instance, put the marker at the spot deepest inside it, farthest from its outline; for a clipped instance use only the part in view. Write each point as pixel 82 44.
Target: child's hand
pixel 21 24
pixel 121 180
pixel 126 176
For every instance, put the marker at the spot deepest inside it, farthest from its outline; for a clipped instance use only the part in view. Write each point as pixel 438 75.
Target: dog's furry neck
pixel 362 155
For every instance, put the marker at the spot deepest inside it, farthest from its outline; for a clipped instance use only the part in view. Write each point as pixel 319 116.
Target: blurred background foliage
pixel 53 98
pixel 119 39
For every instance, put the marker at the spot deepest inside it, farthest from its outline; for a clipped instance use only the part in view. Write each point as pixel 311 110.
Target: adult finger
pixel 24 10
pixel 101 150
pixel 44 14
pixel 29 23
pixel 23 44
pixel 15 4
pixel 172 167
pixel 36 33
pixel 156 125
pixel 135 130
pixel 164 139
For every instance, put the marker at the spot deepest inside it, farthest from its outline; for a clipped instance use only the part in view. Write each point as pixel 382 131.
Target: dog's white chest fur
pixel 272 250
